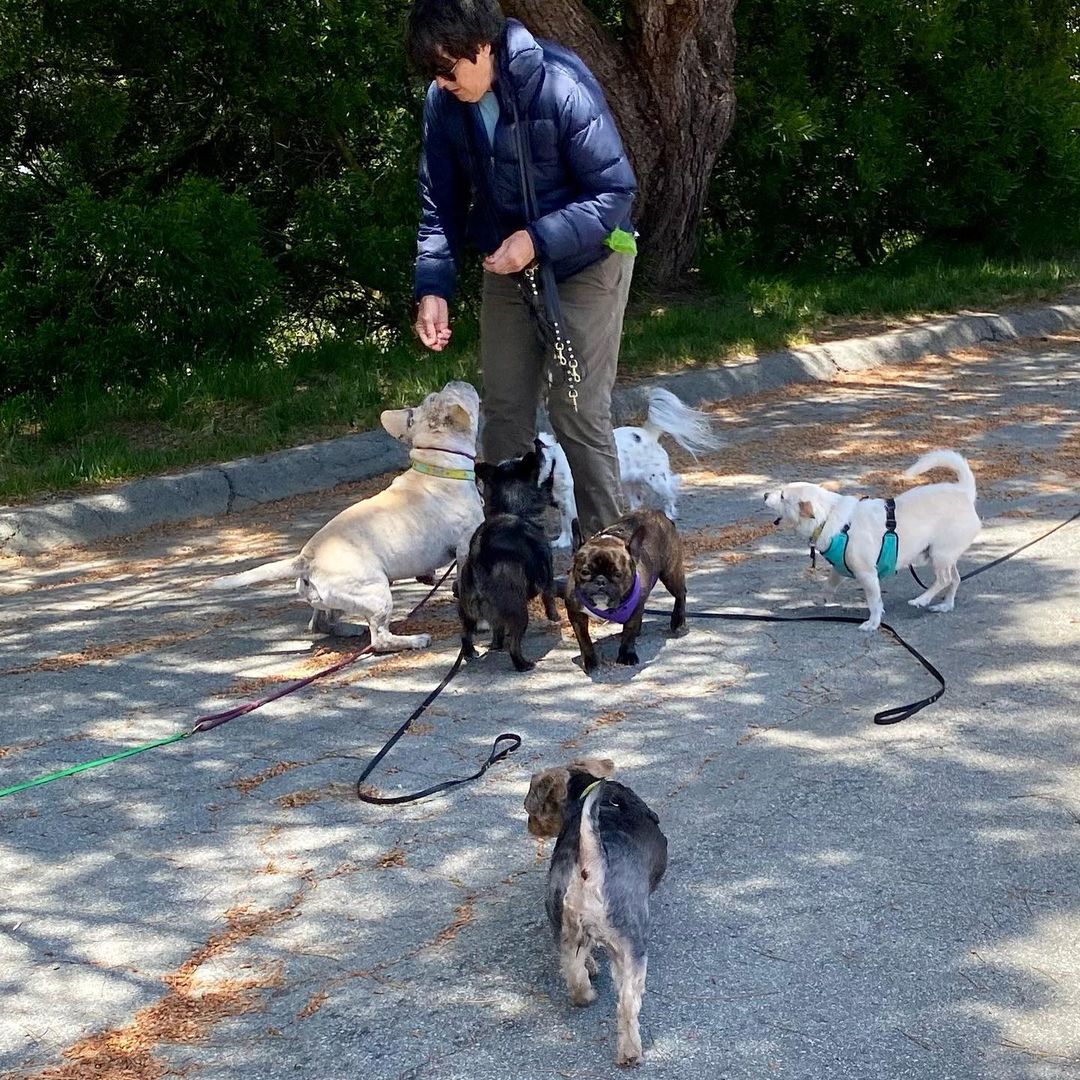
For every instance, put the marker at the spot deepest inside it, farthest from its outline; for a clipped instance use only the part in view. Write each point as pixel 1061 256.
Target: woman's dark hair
pixel 454 29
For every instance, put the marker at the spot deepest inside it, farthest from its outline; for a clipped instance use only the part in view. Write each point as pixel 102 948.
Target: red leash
pixel 207 723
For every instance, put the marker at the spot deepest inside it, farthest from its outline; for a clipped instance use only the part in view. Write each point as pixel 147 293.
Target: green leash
pixel 92 764
pixel 206 723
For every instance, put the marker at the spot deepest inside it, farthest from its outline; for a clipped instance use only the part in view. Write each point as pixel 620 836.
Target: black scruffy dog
pixel 509 558
pixel 609 856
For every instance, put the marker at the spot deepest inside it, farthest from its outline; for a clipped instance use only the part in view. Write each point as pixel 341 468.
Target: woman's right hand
pixel 433 322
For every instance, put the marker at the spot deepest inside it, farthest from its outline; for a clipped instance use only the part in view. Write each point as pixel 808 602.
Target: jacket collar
pixel 520 61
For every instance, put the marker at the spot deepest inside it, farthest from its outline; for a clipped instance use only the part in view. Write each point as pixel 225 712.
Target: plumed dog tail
pixel 590 852
pixel 690 428
pixel 947 459
pixel 272 571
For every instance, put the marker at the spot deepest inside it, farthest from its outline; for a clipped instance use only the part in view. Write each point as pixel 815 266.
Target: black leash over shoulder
pixel 886 716
pixel 495 755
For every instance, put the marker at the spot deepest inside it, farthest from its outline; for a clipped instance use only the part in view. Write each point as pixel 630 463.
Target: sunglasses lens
pixel 446 71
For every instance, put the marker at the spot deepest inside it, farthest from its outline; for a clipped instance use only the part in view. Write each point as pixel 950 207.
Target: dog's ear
pixel 457 416
pixel 830 485
pixel 805 508
pixel 547 791
pixel 598 767
pixel 396 422
pixel 637 542
pixel 528 468
pixel 575 534
pixel 484 471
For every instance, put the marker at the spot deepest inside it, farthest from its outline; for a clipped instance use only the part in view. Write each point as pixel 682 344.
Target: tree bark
pixel 669 80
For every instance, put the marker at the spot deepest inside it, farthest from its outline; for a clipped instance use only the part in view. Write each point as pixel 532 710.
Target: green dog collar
pixel 446 474
pixel 589 788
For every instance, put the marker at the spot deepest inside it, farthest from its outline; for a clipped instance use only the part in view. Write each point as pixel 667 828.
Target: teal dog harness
pixel 836 552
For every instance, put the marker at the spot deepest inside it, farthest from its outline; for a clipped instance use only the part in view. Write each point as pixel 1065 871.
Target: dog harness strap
pixel 446 474
pixel 622 613
pixel 813 543
pixel 581 797
pixel 836 552
pixel 890 543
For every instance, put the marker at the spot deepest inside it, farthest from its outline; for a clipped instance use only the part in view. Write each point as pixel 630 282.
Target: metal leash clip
pixel 564 354
pixel 563 351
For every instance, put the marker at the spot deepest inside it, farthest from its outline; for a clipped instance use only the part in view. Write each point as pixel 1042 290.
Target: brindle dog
pixel 613 574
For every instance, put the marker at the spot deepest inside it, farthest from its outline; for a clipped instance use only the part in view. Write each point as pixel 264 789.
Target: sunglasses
pixel 448 72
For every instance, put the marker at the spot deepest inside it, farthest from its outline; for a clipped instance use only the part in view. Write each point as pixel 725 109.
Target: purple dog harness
pixel 622 613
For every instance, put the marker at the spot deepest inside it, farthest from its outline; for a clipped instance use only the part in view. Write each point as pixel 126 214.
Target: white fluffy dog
pixel 935 523
pixel 419 523
pixel 644 467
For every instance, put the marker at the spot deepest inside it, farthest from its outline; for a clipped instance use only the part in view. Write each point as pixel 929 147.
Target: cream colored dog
pixel 935 523
pixel 419 523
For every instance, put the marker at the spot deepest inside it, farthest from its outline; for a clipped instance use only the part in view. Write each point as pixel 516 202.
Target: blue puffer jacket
pixel 471 191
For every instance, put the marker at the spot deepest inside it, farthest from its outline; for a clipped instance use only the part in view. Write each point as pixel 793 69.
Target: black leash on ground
pixel 509 737
pixel 886 716
pixel 901 712
pixel 1004 558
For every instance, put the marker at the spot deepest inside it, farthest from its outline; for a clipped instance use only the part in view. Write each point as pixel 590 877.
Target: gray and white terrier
pixel 609 856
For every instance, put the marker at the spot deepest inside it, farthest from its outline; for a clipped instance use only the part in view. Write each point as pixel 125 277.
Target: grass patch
pixel 735 312
pixel 91 437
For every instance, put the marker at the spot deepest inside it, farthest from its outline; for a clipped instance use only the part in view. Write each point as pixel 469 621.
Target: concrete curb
pixel 236 485
pixel 206 492
pixel 822 362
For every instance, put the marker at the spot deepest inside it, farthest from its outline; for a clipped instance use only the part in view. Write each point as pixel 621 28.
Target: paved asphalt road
pixel 843 900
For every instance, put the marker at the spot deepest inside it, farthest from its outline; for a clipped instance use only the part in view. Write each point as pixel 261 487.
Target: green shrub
pixel 864 121
pixel 111 291
pixel 176 173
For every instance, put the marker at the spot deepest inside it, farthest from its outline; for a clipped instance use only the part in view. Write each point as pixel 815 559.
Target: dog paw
pixel 680 631
pixel 945 605
pixel 919 602
pixel 583 997
pixel 628 1054
pixel 870 625
pixel 629 657
pixel 468 652
pixel 589 665
pixel 524 665
pixel 590 967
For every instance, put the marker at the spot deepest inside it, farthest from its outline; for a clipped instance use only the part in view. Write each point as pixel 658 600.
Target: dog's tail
pixel 947 459
pixel 590 852
pixel 690 428
pixel 272 571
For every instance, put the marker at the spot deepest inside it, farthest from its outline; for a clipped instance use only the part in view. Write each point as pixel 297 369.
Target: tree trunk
pixel 669 81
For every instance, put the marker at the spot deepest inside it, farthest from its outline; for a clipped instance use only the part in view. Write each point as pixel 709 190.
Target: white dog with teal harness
pixel 870 539
pixel 835 554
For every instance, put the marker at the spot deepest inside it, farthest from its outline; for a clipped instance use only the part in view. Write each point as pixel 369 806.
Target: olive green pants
pixel 514 370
